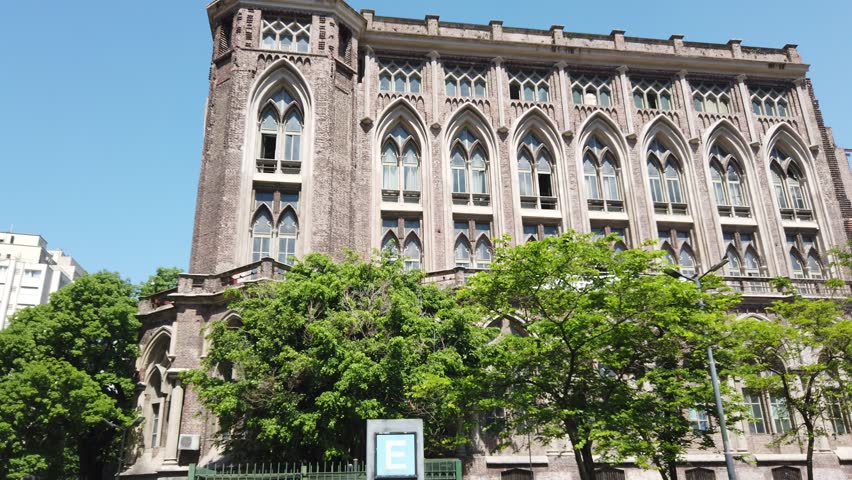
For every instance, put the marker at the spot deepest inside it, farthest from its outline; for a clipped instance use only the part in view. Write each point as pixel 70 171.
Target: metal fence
pixel 435 469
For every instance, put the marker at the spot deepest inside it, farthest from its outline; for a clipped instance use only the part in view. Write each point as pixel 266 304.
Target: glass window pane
pixel 414 84
pixel 605 99
pixel 465 87
pixel 269 120
pixel 385 82
pixel 263 198
pixel 269 40
pixel 755 410
pixel 698 104
pixel 399 84
pixel 483 254
pixel 479 88
pixel 638 101
pixel 529 92
pixel 577 93
pixel 451 87
pixel 543 93
pixel 303 43
pixel 462 253
pixel 293 122
pixel 665 102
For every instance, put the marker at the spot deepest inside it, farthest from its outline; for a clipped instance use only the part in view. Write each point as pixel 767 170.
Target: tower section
pixel 277 161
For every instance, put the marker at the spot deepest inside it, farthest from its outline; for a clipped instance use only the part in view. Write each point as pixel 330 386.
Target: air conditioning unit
pixel 188 442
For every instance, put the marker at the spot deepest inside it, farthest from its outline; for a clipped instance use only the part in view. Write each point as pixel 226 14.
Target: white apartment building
pixel 29 272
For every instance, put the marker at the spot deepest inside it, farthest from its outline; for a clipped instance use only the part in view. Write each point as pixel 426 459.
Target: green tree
pixel 599 322
pixel 800 354
pixel 331 346
pixel 68 363
pixel 163 279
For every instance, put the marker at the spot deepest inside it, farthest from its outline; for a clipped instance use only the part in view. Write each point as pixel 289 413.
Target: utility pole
pixel 723 426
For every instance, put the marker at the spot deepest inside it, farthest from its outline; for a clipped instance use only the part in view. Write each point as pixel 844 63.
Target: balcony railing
pixel 762 286
pixel 270 165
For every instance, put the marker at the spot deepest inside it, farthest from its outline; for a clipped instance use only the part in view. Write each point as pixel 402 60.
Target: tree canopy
pixel 799 354
pixel 615 352
pixel 164 278
pixel 331 346
pixel 66 370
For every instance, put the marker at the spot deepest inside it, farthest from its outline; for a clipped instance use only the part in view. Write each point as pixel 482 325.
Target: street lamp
pixel 696 279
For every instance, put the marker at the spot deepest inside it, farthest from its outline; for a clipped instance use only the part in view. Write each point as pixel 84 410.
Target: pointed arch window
pixel 805 259
pixel 664 177
pixel 535 174
pixel 275 226
pixel 400 166
pixel 741 252
pixel 473 247
pixel 534 232
pixel 600 173
pixel 653 94
pixel 403 235
pixel 592 90
pixel 790 188
pixel 729 185
pixel 620 231
pixel 677 245
pixel 469 168
pixel 288 233
pixel 280 125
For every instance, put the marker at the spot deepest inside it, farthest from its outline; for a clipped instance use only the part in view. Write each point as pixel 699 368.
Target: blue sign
pixel 396 455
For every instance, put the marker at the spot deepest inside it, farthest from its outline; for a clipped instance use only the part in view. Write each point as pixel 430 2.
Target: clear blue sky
pixel 102 101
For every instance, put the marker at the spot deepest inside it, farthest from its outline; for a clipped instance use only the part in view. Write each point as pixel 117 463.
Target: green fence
pixel 436 469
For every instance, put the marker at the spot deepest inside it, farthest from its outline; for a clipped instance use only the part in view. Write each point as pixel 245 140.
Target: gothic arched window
pixel 400 166
pixel 600 171
pixel 261 234
pixel 664 177
pixel 729 184
pixel 535 174
pixel 281 124
pixel 677 247
pixel 409 230
pixel 789 185
pixel 805 260
pixel 469 166
pixel 473 248
pixel 277 235
pixel 741 252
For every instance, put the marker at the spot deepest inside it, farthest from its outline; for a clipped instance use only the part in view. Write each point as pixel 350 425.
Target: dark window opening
pixel 515 91
pixel 545 189
pixel 267 149
pixel 516 474
pixel 652 101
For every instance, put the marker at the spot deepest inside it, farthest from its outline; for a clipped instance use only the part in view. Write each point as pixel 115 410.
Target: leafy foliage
pixel 801 354
pixel 331 346
pixel 164 279
pixel 615 352
pixel 66 369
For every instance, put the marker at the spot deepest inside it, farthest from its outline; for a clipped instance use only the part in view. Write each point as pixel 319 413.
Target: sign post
pixel 395 449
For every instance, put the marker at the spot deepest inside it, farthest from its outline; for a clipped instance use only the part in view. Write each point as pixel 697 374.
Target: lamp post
pixel 696 279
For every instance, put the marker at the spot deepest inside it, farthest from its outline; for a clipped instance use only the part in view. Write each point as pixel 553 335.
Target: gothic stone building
pixel 327 129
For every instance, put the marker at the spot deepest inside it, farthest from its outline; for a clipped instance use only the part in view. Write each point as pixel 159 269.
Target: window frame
pixel 647 89
pixel 770 101
pixel 583 85
pixel 468 143
pixel 707 93
pixel 659 158
pixel 538 151
pixel 475 75
pixel 401 145
pixel 401 230
pixel 282 161
pixel 472 234
pixel 598 154
pixel 406 70
pixel 296 26
pixel 721 163
pixel 537 80
pixel 676 246
pixel 285 201
pixel 783 168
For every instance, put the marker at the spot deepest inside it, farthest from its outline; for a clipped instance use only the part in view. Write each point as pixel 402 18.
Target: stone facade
pixel 314 110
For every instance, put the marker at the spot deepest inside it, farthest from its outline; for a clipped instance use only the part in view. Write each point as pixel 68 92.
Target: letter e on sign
pixel 396 455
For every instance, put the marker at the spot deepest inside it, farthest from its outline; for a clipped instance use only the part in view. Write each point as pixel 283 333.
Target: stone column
pixel 627 97
pixel 804 102
pixel 500 73
pixel 686 91
pixel 747 108
pixel 175 410
pixel 370 74
pixel 434 66
pixel 563 93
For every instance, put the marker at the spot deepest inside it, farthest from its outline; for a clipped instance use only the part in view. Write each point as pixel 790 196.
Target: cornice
pixel 338 8
pixel 524 52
